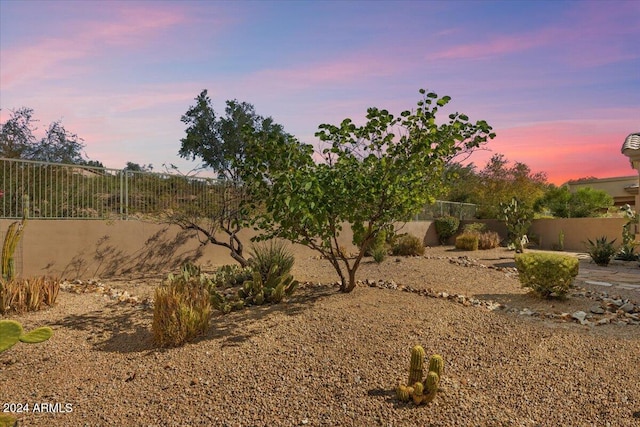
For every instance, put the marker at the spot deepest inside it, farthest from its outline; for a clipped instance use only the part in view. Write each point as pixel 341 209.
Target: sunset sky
pixel 558 81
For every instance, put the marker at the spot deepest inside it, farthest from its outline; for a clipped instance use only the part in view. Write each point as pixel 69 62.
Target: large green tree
pixel 372 175
pixel 220 143
pixel 17 140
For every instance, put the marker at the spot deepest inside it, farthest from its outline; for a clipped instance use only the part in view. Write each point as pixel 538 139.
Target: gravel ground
pixel 329 359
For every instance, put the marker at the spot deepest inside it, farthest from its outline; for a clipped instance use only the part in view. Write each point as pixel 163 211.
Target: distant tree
pixel 58 145
pixel 135 167
pixel 584 202
pixel 220 143
pixel 372 176
pixel 94 163
pixel 461 183
pixel 497 183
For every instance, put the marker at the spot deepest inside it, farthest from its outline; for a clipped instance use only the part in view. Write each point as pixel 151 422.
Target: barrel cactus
pixel 417 390
pixel 436 364
pixel 417 365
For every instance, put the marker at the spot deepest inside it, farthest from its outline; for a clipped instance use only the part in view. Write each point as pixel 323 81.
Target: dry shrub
pixel 467 242
pixel 408 245
pixel 20 295
pixel 488 240
pixel 181 312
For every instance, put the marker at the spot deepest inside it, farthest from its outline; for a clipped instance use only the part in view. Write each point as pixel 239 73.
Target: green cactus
pixel 402 393
pixel 11 332
pixel 436 364
pixel 11 239
pixel 418 393
pixel 224 305
pixel 421 392
pixel 417 364
pixel 273 289
pixel 432 381
pixel 7 420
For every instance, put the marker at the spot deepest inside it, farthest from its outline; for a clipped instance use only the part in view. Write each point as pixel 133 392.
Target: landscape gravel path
pixel 323 358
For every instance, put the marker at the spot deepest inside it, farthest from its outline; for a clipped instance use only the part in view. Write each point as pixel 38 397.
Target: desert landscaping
pixel 324 358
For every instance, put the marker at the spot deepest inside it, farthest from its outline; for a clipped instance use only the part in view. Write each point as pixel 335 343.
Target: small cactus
pixel 402 393
pixel 418 393
pixel 436 364
pixel 432 382
pixel 417 365
pixel 431 386
pixel 11 332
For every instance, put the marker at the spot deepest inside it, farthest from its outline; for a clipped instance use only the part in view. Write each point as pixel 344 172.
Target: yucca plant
pixel 601 250
pixel 265 257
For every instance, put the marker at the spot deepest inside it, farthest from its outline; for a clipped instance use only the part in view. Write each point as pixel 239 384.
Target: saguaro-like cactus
pixel 416 369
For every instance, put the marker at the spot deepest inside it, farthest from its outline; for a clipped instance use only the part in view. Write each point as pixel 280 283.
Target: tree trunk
pixel 352 282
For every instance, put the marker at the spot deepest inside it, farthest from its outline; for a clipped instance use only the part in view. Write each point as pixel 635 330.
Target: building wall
pixel 85 249
pixel 615 187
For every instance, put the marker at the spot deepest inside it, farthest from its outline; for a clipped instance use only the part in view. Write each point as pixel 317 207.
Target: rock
pixel 579 315
pixel 597 310
pixel 627 307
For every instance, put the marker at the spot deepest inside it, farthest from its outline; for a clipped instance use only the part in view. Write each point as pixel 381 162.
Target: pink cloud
pixel 566 150
pixel 497 46
pixel 336 71
pixel 56 57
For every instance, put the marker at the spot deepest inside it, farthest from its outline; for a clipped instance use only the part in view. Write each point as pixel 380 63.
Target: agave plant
pixel 601 251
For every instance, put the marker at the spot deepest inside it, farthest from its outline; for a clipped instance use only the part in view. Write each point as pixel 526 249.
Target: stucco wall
pixel 577 231
pixel 87 248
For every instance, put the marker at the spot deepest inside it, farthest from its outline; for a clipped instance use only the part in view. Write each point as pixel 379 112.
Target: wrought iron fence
pixel 60 191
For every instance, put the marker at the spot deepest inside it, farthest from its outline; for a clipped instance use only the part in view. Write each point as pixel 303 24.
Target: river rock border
pixel 606 309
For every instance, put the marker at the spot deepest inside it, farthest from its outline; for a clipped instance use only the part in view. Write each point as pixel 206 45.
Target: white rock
pixel 579 315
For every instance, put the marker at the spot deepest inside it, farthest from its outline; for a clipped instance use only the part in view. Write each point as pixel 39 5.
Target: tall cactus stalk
pixel 11 239
pixel 417 365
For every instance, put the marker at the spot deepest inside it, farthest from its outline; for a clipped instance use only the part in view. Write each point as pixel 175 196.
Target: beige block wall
pixel 577 231
pixel 88 248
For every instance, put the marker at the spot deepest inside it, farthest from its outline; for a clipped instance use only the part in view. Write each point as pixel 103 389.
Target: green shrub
pixel 408 245
pixel 381 242
pixel 467 242
pixel 547 274
pixel 182 310
pixel 446 227
pixel 379 254
pixel 488 240
pixel 265 257
pixel 601 251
